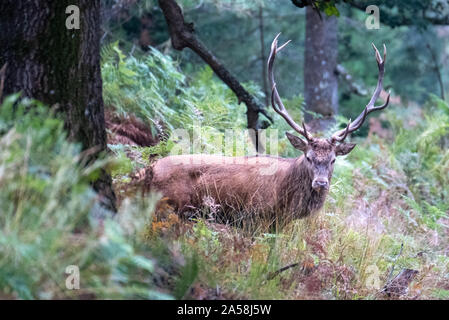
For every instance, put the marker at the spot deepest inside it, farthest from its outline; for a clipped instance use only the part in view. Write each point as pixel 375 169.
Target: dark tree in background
pixel 320 80
pixel 60 67
pixel 320 68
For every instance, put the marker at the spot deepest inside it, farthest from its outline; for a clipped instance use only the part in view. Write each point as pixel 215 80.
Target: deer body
pixel 239 184
pixel 296 189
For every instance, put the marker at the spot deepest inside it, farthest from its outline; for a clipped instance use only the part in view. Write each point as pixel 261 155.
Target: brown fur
pixel 237 185
pixel 128 130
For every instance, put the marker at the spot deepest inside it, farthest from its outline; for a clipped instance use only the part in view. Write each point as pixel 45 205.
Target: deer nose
pixel 320 183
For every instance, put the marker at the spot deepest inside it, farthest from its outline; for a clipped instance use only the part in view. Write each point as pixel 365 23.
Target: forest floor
pixel 384 224
pixel 372 240
pixel 383 232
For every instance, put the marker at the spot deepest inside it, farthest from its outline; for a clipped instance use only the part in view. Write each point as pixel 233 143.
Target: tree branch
pixel 183 36
pixel 273 275
pixel 356 88
pixel 2 80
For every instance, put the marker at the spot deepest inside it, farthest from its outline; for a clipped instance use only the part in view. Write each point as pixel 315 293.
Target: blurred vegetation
pixel 391 191
pixel 231 29
pixel 49 217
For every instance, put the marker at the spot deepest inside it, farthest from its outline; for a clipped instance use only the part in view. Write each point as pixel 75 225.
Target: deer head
pixel 319 153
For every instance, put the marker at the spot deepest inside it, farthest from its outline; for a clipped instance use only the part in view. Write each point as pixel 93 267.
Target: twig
pixel 391 272
pixel 2 80
pixel 341 72
pixel 398 286
pixel 394 262
pixel 272 275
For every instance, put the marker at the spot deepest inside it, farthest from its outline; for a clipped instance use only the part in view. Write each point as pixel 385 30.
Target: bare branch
pixel 183 36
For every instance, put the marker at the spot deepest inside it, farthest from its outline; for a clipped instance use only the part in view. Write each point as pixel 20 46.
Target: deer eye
pixel 333 161
pixel 308 159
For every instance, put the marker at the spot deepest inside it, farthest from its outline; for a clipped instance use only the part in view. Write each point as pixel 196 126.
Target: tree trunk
pixel 263 57
pixel 60 67
pixel 320 80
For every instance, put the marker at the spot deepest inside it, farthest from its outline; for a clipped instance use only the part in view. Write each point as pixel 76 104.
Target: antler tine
pixel 304 127
pixel 342 138
pixel 276 101
pixel 370 107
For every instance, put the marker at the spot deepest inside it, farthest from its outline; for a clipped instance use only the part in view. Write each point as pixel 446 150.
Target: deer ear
pixel 344 148
pixel 297 142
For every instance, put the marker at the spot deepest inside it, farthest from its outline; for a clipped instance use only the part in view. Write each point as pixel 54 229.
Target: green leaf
pixel 331 10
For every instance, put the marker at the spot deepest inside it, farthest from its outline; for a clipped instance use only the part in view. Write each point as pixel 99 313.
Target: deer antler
pixel 341 135
pixel 276 101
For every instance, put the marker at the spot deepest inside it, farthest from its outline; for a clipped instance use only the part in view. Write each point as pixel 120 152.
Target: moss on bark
pixel 59 67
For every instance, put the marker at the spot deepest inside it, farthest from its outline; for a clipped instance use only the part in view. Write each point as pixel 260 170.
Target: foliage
pixel 395 13
pixel 388 193
pixel 50 217
pixel 408 12
pixel 350 249
pixel 225 25
pixel 202 104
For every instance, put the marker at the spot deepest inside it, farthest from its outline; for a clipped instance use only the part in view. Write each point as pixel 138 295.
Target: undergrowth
pixel 49 218
pixel 386 212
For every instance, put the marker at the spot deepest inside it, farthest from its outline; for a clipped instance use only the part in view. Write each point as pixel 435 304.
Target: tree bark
pixel 320 80
pixel 436 67
pixel 60 67
pixel 183 36
pixel 263 56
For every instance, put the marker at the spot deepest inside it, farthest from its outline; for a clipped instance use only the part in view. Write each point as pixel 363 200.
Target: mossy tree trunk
pixel 60 67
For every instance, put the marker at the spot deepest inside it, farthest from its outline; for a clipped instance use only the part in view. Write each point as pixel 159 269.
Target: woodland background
pixel 84 112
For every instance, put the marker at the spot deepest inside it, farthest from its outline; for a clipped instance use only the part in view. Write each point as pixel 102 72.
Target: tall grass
pixel 387 210
pixel 380 202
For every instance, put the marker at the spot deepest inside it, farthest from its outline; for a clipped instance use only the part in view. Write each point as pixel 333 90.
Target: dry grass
pixel 347 251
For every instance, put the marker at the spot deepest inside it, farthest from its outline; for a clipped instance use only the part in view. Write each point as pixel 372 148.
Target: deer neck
pixel 299 198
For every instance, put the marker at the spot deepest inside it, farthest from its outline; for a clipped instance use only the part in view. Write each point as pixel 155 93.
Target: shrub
pixel 49 217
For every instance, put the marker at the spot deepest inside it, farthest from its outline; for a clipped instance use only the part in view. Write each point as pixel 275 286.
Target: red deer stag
pixel 298 187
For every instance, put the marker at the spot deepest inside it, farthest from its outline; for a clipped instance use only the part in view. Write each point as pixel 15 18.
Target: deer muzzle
pixel 320 184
